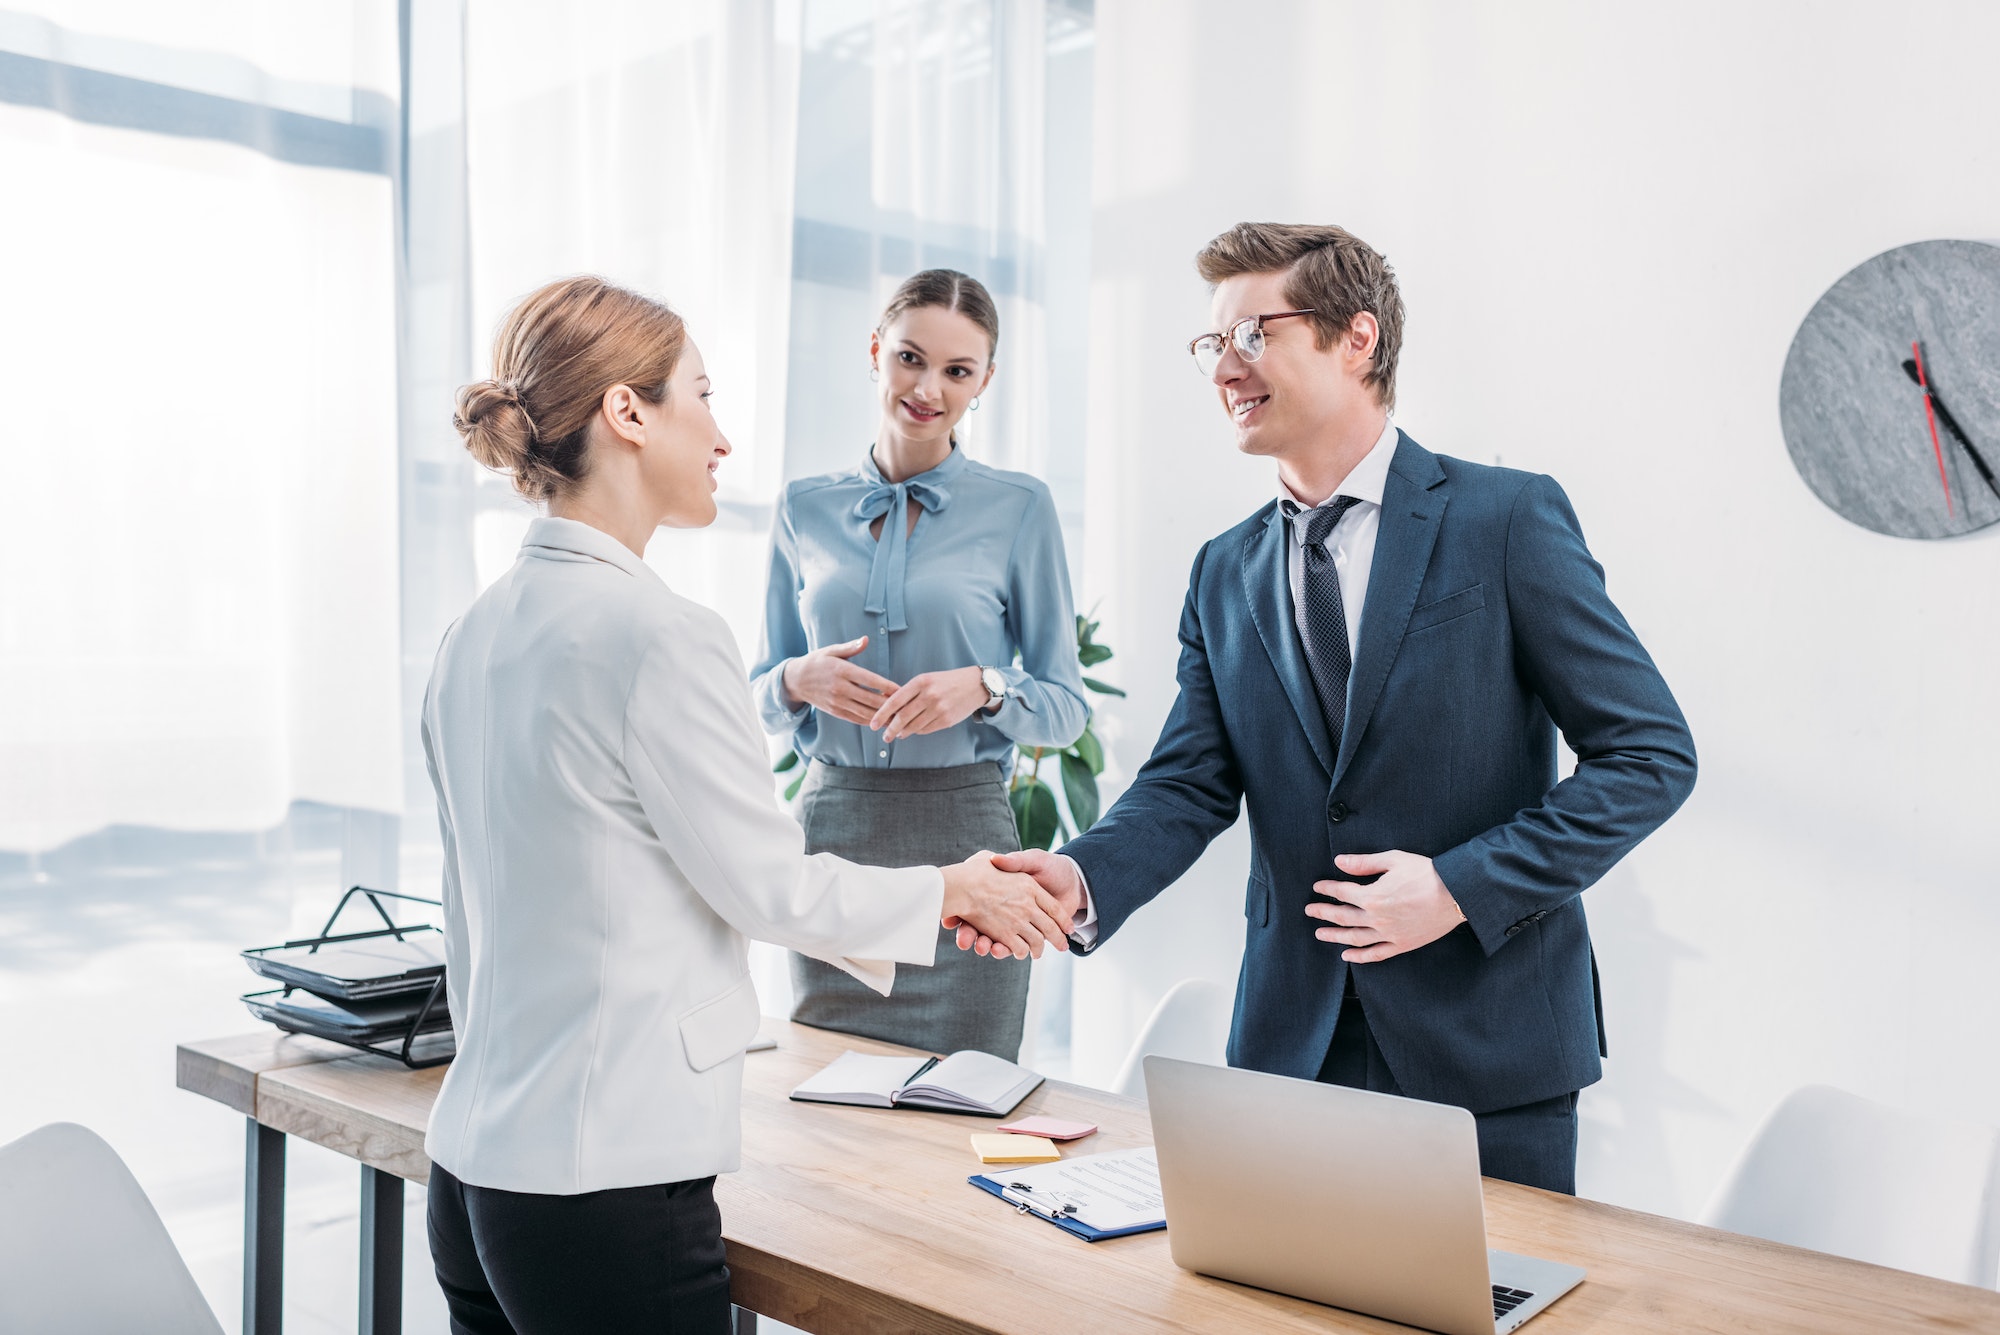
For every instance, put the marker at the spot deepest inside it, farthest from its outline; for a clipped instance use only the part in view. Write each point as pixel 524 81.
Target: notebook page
pixel 978 1076
pixel 860 1073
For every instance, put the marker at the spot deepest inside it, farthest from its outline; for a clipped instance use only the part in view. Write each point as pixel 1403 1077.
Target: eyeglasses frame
pixel 1228 336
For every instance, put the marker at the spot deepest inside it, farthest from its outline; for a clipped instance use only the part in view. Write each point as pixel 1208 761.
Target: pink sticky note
pixel 1055 1128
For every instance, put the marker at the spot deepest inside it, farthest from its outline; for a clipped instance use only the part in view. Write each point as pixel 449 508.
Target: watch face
pixel 996 685
pixel 1890 399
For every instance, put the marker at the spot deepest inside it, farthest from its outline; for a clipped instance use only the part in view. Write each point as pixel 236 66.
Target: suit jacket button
pixel 1512 930
pixel 1337 812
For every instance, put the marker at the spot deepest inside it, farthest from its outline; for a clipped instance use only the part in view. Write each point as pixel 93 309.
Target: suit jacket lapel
pixel 1267 583
pixel 1413 501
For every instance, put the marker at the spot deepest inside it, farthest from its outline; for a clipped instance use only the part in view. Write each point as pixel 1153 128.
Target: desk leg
pixel 381 1252
pixel 742 1321
pixel 263 1230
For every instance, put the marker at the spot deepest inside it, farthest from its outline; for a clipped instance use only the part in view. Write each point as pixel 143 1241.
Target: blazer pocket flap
pixel 718 1029
pixel 1459 604
pixel 1257 899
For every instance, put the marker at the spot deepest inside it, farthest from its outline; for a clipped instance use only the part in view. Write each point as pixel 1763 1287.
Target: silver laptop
pixel 1358 1200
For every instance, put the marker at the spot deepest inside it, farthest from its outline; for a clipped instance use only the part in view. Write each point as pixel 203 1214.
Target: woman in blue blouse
pixel 890 652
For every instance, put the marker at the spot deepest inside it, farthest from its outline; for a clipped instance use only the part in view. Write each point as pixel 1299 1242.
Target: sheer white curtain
pixel 653 144
pixel 199 623
pixel 957 148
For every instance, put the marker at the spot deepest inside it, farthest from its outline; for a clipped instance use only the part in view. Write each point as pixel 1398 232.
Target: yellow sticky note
pixel 1014 1149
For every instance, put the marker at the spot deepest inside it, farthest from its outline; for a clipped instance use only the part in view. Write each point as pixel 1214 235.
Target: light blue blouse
pixel 980 577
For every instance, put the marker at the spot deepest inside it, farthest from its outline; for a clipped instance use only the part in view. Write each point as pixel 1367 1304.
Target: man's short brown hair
pixel 1327 269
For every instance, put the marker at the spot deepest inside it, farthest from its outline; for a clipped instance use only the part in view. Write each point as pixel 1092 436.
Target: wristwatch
pixel 996 688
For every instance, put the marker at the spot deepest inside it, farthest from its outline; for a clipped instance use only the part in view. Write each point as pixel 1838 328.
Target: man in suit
pixel 1378 662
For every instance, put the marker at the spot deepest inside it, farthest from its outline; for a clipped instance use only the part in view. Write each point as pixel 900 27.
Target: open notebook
pixel 965 1082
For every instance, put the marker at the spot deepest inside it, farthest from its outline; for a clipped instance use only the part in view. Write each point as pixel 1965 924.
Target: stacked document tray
pixel 380 991
pixel 351 1022
pixel 379 964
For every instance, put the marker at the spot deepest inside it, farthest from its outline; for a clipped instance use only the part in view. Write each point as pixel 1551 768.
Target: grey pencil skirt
pixel 910 818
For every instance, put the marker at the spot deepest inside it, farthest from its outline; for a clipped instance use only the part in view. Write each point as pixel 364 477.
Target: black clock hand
pixel 1951 425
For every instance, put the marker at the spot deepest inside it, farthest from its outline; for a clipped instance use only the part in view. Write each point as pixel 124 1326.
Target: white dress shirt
pixel 610 839
pixel 1351 542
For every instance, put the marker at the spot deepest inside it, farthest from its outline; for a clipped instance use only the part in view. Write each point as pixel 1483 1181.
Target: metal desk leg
pixel 381 1252
pixel 263 1230
pixel 742 1321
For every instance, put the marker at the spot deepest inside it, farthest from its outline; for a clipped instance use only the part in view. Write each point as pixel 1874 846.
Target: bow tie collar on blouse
pixel 889 501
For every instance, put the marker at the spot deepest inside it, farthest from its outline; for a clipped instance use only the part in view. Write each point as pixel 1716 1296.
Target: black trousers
pixel 1534 1144
pixel 619 1262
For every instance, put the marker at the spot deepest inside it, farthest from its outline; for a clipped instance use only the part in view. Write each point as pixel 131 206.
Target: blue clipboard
pixel 1084 1231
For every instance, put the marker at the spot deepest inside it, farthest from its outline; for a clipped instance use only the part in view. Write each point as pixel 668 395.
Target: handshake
pixel 1010 905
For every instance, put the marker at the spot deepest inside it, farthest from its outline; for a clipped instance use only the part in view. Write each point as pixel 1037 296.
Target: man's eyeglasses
pixel 1246 336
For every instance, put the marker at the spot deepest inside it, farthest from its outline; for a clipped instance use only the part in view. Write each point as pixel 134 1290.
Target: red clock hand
pixel 1930 416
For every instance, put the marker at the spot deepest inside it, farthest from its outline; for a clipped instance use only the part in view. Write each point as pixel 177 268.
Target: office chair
pixel 1834 1172
pixel 82 1251
pixel 1191 1023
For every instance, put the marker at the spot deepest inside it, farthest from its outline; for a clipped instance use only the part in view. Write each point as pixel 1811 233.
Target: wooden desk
pixel 853 1221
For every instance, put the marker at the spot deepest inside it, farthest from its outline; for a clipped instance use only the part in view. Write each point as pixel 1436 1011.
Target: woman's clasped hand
pixel 829 681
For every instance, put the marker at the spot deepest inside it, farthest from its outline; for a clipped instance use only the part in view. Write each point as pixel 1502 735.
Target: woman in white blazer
pixel 610 841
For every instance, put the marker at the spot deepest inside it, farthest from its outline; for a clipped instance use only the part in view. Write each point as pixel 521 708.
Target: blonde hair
pixel 555 356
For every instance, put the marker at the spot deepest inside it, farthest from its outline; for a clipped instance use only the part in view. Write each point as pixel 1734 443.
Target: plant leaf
pixel 1080 787
pixel 1090 655
pixel 1035 817
pixel 1048 820
pixel 785 762
pixel 1090 751
pixel 1103 687
pixel 1018 798
pixel 792 790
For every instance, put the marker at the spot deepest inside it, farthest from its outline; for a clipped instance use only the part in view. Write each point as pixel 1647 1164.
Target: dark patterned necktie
pixel 1322 617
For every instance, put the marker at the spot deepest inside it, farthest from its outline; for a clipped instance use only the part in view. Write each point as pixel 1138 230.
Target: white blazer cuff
pixel 879 975
pixel 912 940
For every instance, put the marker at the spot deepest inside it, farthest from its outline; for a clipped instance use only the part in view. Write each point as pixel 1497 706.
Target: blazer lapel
pixel 1413 501
pixel 1267 582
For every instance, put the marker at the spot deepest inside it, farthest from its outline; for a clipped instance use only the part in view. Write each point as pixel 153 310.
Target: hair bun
pixel 572 340
pixel 495 424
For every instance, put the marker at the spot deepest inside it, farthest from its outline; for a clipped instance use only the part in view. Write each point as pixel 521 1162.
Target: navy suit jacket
pixel 1486 628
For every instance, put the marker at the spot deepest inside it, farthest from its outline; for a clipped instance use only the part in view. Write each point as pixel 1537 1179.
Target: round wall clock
pixel 1890 400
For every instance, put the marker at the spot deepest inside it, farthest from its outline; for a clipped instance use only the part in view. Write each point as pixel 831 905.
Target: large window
pixel 199 632
pixel 253 250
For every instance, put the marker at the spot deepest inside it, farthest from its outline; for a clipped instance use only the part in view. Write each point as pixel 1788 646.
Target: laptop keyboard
pixel 1506 1300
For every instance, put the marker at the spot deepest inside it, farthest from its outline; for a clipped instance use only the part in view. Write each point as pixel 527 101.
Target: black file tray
pixel 359 1007
pixel 366 1024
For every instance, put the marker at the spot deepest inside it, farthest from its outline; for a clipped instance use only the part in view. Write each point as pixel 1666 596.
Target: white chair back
pixel 82 1251
pixel 1191 1023
pixel 1834 1172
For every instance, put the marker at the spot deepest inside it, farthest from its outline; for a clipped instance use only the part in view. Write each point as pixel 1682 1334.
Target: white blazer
pixel 610 839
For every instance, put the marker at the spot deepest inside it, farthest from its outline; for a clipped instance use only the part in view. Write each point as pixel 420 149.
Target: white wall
pixel 1609 221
